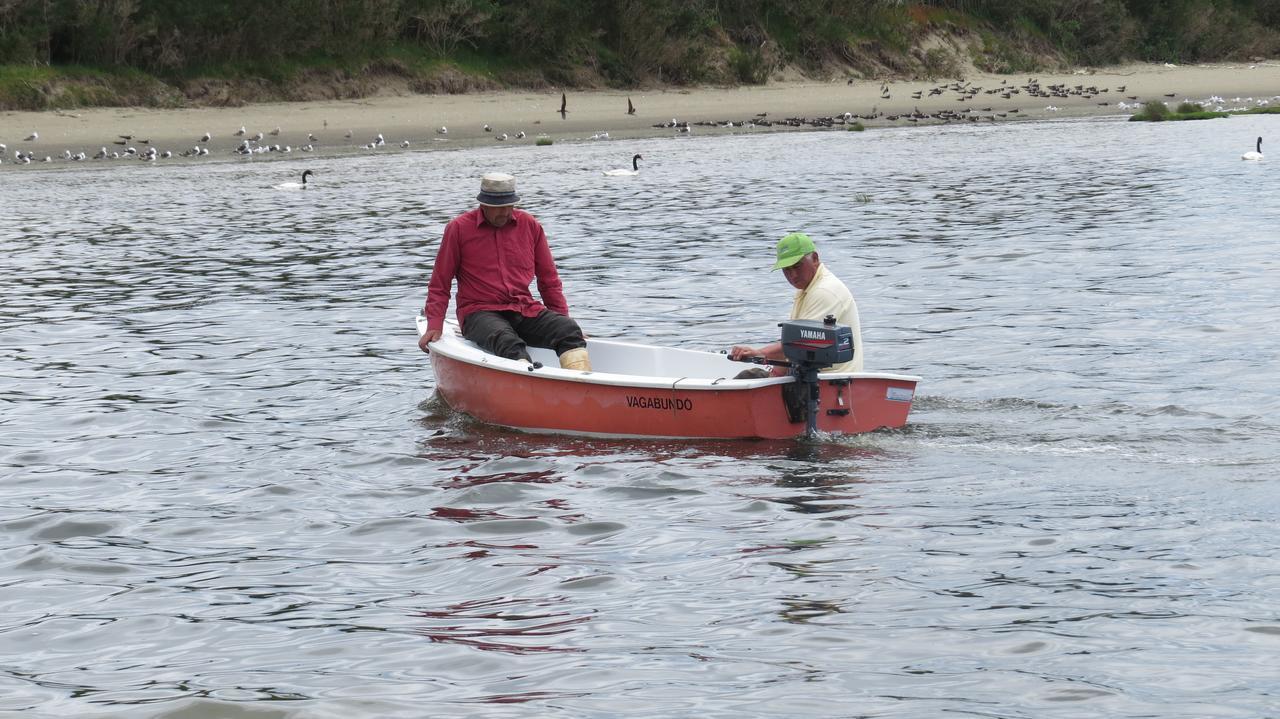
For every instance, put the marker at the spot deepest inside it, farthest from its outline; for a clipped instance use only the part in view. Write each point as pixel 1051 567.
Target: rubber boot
pixel 576 359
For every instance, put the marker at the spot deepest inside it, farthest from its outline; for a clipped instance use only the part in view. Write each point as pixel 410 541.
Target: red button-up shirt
pixel 493 266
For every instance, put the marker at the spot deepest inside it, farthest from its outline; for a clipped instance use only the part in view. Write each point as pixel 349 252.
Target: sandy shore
pixel 416 119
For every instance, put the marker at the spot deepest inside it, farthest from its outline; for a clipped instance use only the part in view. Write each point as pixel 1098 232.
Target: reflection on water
pixel 229 491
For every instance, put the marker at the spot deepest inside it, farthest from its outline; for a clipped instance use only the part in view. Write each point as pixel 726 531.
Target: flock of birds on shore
pixel 964 92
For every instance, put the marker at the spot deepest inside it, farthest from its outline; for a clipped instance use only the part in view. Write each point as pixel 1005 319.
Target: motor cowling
pixel 820 344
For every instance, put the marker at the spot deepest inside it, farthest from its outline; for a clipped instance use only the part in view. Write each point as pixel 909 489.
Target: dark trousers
pixel 509 334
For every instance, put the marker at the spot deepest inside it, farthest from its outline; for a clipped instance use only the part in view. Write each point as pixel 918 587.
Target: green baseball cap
pixel 792 248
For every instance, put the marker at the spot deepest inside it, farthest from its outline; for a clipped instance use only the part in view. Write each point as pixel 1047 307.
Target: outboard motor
pixel 810 346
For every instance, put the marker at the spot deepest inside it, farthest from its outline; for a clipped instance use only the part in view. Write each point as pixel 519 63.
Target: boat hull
pixel 540 403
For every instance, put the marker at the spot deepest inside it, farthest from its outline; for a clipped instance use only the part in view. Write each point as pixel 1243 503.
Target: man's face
pixel 801 273
pixel 497 216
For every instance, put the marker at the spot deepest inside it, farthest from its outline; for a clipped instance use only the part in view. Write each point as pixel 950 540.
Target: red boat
pixel 637 390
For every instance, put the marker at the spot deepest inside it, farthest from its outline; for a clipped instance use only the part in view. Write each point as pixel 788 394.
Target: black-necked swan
pixel 622 171
pixel 296 185
pixel 1253 154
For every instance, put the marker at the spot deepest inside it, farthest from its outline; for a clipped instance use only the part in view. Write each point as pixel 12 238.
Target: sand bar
pixel 417 118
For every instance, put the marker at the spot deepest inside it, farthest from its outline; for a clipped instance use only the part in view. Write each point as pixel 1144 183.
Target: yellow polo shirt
pixel 827 295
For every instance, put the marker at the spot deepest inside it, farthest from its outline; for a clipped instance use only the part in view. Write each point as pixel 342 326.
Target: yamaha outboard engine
pixel 810 346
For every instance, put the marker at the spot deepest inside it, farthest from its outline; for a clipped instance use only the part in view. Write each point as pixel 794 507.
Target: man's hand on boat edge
pixel 427 338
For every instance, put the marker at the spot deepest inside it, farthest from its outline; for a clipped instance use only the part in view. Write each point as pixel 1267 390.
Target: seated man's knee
pixel 495 335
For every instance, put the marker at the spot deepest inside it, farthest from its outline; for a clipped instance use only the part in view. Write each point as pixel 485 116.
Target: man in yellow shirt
pixel 820 294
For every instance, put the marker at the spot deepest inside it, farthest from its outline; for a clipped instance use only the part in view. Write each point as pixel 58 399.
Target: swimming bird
pixel 312 137
pixel 296 185
pixel 206 137
pixel 442 130
pixel 1253 154
pixel 500 137
pixel 623 172
pixel 564 102
pixel 404 143
pixel 520 135
pixel 488 129
pixel 32 137
pixel 631 109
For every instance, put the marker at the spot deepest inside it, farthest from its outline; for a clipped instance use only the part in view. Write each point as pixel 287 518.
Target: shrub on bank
pixel 1155 111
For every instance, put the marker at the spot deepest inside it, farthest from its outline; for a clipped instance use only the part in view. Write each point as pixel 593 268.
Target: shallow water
pixel 228 491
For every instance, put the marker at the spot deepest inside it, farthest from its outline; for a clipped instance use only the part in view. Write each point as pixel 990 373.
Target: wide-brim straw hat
pixel 497 189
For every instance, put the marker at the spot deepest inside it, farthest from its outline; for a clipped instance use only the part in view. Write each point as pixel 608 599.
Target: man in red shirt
pixel 495 251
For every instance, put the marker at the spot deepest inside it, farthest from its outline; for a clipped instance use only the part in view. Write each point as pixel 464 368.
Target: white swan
pixel 1253 154
pixel 296 185
pixel 622 171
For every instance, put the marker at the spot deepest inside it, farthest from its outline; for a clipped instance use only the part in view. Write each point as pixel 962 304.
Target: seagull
pixel 378 141
pixel 500 137
pixel 348 135
pixel 442 130
pixel 206 137
pixel 564 101
pixel 520 135
pixel 33 136
pixel 102 154
pixel 488 129
pixel 404 143
pixel 275 132
pixel 631 109
pixel 312 137
pixel 237 133
pixel 257 137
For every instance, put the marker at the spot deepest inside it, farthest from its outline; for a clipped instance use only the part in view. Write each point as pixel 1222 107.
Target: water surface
pixel 228 492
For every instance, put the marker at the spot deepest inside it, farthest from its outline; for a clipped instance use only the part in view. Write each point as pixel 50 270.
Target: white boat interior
pixel 615 362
